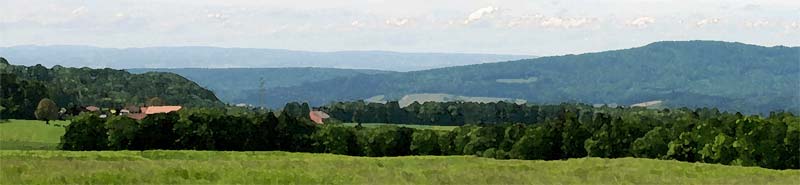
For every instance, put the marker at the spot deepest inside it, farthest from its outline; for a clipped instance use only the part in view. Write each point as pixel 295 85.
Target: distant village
pixel 134 112
pixel 139 113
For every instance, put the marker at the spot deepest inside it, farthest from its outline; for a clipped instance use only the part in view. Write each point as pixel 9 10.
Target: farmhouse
pixel 93 109
pixel 318 116
pixel 153 110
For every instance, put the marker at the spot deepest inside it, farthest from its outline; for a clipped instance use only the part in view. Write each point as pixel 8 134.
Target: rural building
pixel 160 109
pixel 93 108
pixel 153 110
pixel 318 116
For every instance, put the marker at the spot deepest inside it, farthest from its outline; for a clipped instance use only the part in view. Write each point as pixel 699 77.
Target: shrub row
pixel 702 135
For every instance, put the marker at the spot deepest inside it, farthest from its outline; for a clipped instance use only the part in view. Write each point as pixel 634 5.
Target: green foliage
pixel 720 151
pixel 46 110
pixel 461 137
pixel 386 141
pixel 336 140
pixel 512 134
pixel 86 132
pixel 22 86
pixel 684 148
pixel 156 132
pixel 573 136
pixel 425 142
pixel 156 101
pixel 18 96
pixel 701 135
pixel 652 145
pixel 122 132
pixel 730 76
pixel 484 138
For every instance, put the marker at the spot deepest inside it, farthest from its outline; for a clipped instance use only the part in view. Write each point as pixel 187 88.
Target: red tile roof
pixel 92 108
pixel 318 116
pixel 160 109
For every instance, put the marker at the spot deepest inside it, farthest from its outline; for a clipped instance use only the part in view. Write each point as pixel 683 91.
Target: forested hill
pixel 730 76
pixel 23 87
pixel 230 84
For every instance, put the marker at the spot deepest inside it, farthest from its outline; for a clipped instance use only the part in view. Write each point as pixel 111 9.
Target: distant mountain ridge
pixel 230 84
pixel 730 76
pixel 215 57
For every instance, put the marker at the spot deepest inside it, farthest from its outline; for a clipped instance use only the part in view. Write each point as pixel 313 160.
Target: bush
pixel 156 132
pixel 122 132
pixel 533 145
pixel 484 138
pixel 386 141
pixel 652 145
pixel 336 140
pixel 86 132
pixel 425 142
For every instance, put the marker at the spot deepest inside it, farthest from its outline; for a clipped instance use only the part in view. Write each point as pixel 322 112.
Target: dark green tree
pixel 46 110
pixel 85 132
pixel 425 142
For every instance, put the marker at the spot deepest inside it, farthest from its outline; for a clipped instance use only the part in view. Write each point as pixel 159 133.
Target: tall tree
pixel 46 110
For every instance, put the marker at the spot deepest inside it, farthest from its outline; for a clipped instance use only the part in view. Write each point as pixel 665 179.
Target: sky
pixel 530 27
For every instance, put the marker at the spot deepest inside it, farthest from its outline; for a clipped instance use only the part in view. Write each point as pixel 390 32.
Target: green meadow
pixel 30 135
pixel 215 167
pixel 28 158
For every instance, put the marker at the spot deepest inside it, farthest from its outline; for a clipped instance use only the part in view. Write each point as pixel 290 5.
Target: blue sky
pixel 465 26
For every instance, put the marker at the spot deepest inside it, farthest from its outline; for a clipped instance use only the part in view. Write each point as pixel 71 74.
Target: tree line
pixel 444 113
pixel 571 131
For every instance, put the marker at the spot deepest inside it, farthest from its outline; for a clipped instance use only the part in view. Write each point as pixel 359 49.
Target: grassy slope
pixel 30 135
pixel 197 167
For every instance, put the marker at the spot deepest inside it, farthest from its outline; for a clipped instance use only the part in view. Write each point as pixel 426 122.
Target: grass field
pixel 200 167
pixel 26 166
pixel 30 135
pixel 432 127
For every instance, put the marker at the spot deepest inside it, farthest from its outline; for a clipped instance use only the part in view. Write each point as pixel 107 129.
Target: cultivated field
pixel 30 135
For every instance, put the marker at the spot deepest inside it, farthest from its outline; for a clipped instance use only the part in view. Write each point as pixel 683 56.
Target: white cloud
pixel 80 11
pixel 794 26
pixel 707 22
pixel 217 16
pixel 756 24
pixel 397 22
pixel 480 13
pixel 641 22
pixel 565 22
pixel 551 22
pixel 524 20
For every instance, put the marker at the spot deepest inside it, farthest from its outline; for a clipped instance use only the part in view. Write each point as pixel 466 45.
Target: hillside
pixel 730 76
pixel 230 83
pixel 214 57
pixel 23 87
